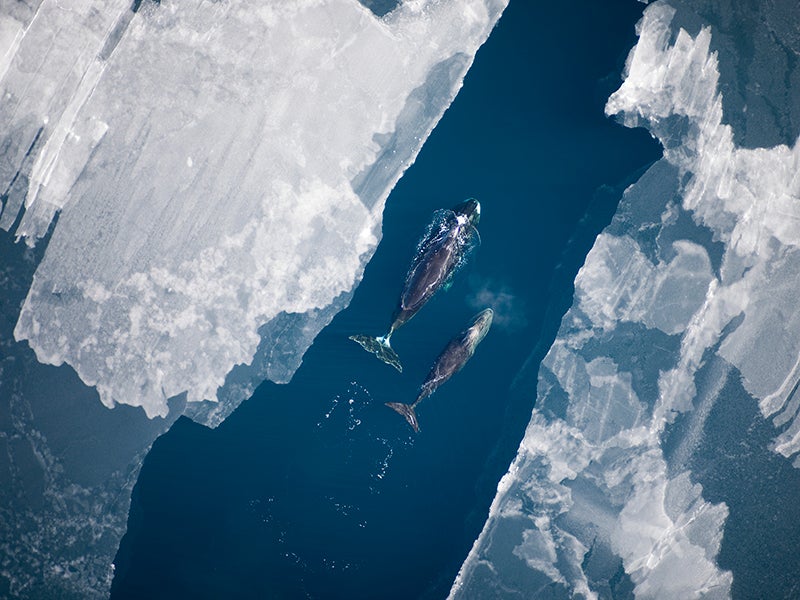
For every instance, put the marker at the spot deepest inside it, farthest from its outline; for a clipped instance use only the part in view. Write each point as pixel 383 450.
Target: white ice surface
pixel 748 198
pixel 201 157
pixel 593 477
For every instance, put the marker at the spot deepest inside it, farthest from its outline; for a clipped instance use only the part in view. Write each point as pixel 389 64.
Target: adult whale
pixel 450 361
pixel 441 251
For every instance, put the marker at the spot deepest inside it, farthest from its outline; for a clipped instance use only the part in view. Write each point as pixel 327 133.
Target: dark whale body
pixel 450 361
pixel 450 237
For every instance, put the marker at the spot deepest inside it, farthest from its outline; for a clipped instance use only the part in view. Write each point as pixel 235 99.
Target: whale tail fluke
pixel 407 410
pixel 379 346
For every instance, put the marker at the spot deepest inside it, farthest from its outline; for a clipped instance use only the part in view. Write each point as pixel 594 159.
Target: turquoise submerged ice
pixel 693 285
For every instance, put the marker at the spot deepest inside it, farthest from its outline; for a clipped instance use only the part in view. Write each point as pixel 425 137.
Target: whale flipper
pixel 380 347
pixel 407 410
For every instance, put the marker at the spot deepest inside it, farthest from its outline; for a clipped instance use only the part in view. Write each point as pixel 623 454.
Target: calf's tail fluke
pixel 407 410
pixel 379 346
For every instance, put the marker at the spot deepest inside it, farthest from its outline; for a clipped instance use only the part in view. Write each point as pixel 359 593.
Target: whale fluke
pixel 407 410
pixel 380 347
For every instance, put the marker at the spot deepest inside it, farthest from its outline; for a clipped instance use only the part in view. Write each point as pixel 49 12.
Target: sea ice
pixel 693 281
pixel 201 160
pixel 210 178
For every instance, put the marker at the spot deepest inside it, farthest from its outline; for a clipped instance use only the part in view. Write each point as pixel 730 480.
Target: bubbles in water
pixel 383 464
pixel 350 423
pixel 356 398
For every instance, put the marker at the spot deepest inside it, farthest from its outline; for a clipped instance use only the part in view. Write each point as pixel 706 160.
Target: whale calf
pixel 450 361
pixel 447 243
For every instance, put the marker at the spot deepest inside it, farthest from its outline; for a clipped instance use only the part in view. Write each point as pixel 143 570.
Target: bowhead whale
pixel 441 251
pixel 450 361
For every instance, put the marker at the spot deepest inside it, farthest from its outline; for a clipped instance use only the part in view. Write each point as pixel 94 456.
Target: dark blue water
pixel 315 488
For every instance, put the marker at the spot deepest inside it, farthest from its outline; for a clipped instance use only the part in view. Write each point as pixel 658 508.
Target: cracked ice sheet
pixel 591 489
pixel 201 157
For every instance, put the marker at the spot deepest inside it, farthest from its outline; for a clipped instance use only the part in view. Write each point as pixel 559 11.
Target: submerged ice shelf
pixel 690 288
pixel 210 177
